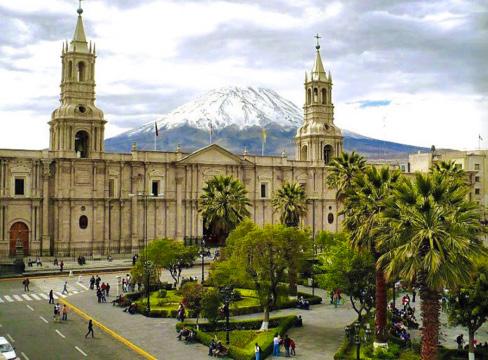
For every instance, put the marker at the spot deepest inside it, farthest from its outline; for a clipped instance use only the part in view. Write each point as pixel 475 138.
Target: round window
pixel 330 218
pixel 81 109
pixel 83 222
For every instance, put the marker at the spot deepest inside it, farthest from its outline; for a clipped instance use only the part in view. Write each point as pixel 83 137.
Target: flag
pixel 156 128
pixel 263 135
pixel 480 138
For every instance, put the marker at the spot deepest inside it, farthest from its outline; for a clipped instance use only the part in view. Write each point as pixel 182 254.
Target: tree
pixel 223 205
pixel 468 305
pixel 432 234
pixel 364 204
pixel 171 255
pixel 211 304
pixel 297 245
pixel 258 256
pixel 353 272
pixel 193 295
pixel 343 169
pixel 291 202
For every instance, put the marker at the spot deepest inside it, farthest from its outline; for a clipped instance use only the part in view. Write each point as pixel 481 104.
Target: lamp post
pixel 202 254
pixel 353 333
pixel 313 246
pixel 227 293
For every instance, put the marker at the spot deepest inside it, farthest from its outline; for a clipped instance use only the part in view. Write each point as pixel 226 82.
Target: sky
pixel 407 71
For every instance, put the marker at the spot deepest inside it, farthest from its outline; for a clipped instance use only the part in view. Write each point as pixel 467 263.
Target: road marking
pixel 81 351
pixel 35 297
pixel 8 298
pixel 59 333
pixel 24 356
pixel 30 307
pixel 74 292
pixel 59 294
pixel 44 296
pixel 83 286
pixel 47 322
pixel 109 331
pixel 25 296
pixel 18 298
pixel 10 338
pixel 1 301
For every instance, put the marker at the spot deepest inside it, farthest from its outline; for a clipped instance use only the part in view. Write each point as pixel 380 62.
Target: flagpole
pixel 155 142
pixel 210 134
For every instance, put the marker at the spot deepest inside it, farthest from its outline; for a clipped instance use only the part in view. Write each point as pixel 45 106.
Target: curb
pixel 109 331
pixel 64 273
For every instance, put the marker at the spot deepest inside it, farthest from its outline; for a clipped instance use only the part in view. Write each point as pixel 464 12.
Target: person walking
pixel 107 289
pixel 61 266
pixel 257 351
pixel 65 287
pixel 65 313
pixel 26 283
pixel 51 296
pixel 92 282
pixel 57 311
pixel 90 329
pixel 414 294
pixel 286 343
pixel 276 345
pixel 292 347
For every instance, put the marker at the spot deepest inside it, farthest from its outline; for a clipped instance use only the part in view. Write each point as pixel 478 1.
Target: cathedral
pixel 76 199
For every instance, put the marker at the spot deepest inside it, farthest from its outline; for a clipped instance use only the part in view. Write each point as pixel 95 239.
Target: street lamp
pixel 353 333
pixel 227 293
pixel 202 254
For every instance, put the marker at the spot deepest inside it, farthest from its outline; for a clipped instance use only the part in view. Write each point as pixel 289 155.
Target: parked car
pixel 6 350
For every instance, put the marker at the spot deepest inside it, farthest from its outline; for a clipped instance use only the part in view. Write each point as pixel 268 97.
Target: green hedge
pixel 282 325
pixel 454 354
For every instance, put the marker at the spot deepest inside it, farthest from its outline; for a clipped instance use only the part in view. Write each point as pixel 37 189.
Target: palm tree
pixel 342 170
pixel 290 200
pixel 223 205
pixel 432 235
pixel 364 203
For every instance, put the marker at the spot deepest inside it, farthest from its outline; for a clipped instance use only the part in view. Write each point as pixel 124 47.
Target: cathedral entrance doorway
pixel 19 231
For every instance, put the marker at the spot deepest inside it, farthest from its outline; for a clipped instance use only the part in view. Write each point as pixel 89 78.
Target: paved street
pixel 27 322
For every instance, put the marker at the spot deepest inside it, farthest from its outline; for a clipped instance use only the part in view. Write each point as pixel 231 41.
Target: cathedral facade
pixel 75 198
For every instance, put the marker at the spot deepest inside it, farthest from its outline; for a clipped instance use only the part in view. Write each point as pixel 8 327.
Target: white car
pixel 6 350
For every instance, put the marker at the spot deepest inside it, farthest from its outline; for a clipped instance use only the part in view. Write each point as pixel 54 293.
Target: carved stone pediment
pixel 213 154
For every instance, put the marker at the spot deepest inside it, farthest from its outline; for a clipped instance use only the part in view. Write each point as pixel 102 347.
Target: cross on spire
pixel 317 36
pixel 80 10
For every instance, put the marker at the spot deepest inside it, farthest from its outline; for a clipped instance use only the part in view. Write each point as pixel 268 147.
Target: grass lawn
pixel 244 339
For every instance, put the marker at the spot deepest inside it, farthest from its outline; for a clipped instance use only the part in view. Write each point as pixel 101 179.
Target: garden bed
pixel 244 334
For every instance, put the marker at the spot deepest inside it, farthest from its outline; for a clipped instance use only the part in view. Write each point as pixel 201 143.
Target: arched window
pixel 324 96
pixel 81 144
pixel 83 222
pixel 330 218
pixel 327 154
pixel 315 95
pixel 81 71
pixel 304 153
pixel 70 70
pixel 309 96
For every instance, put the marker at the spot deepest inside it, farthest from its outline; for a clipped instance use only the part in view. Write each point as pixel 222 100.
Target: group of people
pixel 37 261
pixel 186 334
pixel 127 283
pixel 102 289
pixel 287 343
pixel 58 311
pixel 303 304
pixel 461 343
pixel 81 260
pixel 181 313
pixel 335 297
pixel 216 348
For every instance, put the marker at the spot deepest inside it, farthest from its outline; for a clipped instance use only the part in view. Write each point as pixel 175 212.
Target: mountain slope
pixel 236 116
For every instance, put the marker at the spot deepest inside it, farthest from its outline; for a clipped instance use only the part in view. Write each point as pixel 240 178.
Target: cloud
pixel 373 103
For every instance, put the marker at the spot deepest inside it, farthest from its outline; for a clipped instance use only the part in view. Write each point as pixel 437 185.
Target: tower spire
pixel 318 72
pixel 79 38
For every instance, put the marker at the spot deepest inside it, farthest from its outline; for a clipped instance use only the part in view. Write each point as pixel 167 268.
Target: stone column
pixel 46 239
pixel 179 217
pixel 134 222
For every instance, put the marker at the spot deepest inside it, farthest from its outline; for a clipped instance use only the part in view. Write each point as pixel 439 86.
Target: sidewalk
pixel 71 264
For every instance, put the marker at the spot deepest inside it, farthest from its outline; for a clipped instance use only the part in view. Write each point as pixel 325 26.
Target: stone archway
pixel 19 231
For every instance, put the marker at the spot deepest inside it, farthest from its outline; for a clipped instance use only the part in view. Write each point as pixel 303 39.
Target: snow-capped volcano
pixel 241 107
pixel 236 116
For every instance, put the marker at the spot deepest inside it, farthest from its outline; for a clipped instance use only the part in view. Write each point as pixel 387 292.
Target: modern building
pixel 75 198
pixel 475 163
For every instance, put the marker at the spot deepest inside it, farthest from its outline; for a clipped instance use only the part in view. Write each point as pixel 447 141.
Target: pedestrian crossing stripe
pixel 44 296
pixel 83 286
pixel 18 298
pixel 1 301
pixel 8 298
pixel 60 295
pixel 25 296
pixel 74 291
pixel 35 297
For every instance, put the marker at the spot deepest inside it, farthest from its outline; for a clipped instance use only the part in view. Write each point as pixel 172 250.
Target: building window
pixel 476 166
pixel 81 71
pixel 315 95
pixel 304 186
pixel 476 179
pixel 327 154
pixel 83 222
pixel 81 144
pixel 19 186
pixel 330 218
pixel 476 191
pixel 111 188
pixel 263 190
pixel 155 188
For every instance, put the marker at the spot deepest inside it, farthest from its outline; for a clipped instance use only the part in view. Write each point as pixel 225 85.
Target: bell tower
pixel 318 139
pixel 77 126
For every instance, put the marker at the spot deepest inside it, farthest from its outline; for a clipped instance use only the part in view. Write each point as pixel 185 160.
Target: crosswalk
pixel 38 296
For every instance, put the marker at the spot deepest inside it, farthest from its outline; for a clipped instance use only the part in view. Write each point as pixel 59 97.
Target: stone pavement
pixel 319 338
